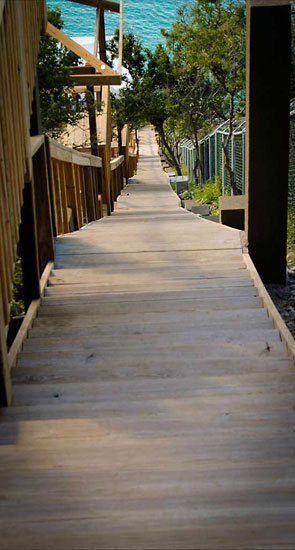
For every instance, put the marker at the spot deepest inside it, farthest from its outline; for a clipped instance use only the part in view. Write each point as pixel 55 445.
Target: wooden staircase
pixel 154 399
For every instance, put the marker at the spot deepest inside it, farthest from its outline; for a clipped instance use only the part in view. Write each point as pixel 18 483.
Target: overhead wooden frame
pixel 97 80
pixel 98 64
pixel 104 75
pixel 100 4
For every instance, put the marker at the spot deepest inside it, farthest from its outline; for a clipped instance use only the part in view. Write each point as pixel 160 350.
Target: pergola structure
pixel 101 73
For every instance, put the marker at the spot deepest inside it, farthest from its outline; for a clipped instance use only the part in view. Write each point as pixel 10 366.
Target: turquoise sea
pixel 143 17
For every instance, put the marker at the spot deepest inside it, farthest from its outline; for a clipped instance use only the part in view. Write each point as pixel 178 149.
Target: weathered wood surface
pixel 154 400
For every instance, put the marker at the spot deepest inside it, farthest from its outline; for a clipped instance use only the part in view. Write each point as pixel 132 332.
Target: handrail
pixel 67 154
pixel 116 162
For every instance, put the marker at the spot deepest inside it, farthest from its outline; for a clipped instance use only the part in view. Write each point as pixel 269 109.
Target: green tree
pixel 292 90
pixel 59 105
pixel 207 42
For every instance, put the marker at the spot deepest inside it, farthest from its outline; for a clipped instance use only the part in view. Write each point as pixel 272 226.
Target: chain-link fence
pixel 291 195
pixel 212 156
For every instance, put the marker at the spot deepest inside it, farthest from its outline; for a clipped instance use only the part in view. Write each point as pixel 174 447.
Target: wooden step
pixel 146 341
pixel 195 319
pixel 150 389
pixel 153 286
pixel 100 297
pixel 154 307
pixel 149 368
pixel 181 353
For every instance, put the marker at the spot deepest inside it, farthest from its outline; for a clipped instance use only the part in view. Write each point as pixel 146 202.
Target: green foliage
pixel 210 192
pixel 292 91
pixel 134 57
pixel 17 303
pixel 291 228
pixel 58 105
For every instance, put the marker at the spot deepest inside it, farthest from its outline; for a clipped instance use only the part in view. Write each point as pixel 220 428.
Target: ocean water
pixel 143 17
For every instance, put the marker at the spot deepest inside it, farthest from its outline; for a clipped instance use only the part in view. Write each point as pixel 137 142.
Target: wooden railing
pixel 117 176
pixel 46 189
pixel 76 180
pixel 20 30
pixel 130 152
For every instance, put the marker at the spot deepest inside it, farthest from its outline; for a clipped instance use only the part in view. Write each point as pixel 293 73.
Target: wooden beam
pixel 36 143
pixel 272 311
pixel 115 163
pixel 102 38
pixel 100 4
pixel 92 120
pixel 29 245
pixel 43 209
pixel 99 64
pixel 120 38
pixel 85 69
pixel 267 136
pixel 97 80
pixel 96 37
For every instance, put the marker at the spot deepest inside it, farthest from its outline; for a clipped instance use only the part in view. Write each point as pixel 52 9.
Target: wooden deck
pixel 153 401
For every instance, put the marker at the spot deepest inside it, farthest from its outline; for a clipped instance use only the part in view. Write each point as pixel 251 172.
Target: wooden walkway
pixel 153 401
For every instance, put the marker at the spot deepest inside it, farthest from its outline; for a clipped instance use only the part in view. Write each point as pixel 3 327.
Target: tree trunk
pixel 225 144
pixel 198 164
pixel 170 157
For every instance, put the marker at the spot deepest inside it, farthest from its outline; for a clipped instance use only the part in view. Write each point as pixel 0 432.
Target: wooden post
pixel 50 185
pixel 89 194
pixel 29 246
pixel 71 192
pixel 92 120
pixel 43 209
pixel 102 38
pixel 267 146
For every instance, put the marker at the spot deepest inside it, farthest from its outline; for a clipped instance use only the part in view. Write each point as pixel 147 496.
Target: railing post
pixel 89 195
pixel 43 209
pixel 267 136
pixel 28 243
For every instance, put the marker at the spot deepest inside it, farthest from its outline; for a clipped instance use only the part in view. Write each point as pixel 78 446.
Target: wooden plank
pixel 96 162
pixel 81 159
pixel 76 181
pixel 60 152
pixel 63 197
pixel 36 143
pixel 71 192
pixel 97 80
pixel 279 323
pixel 56 196
pixel 99 64
pixel 89 195
pixel 115 163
